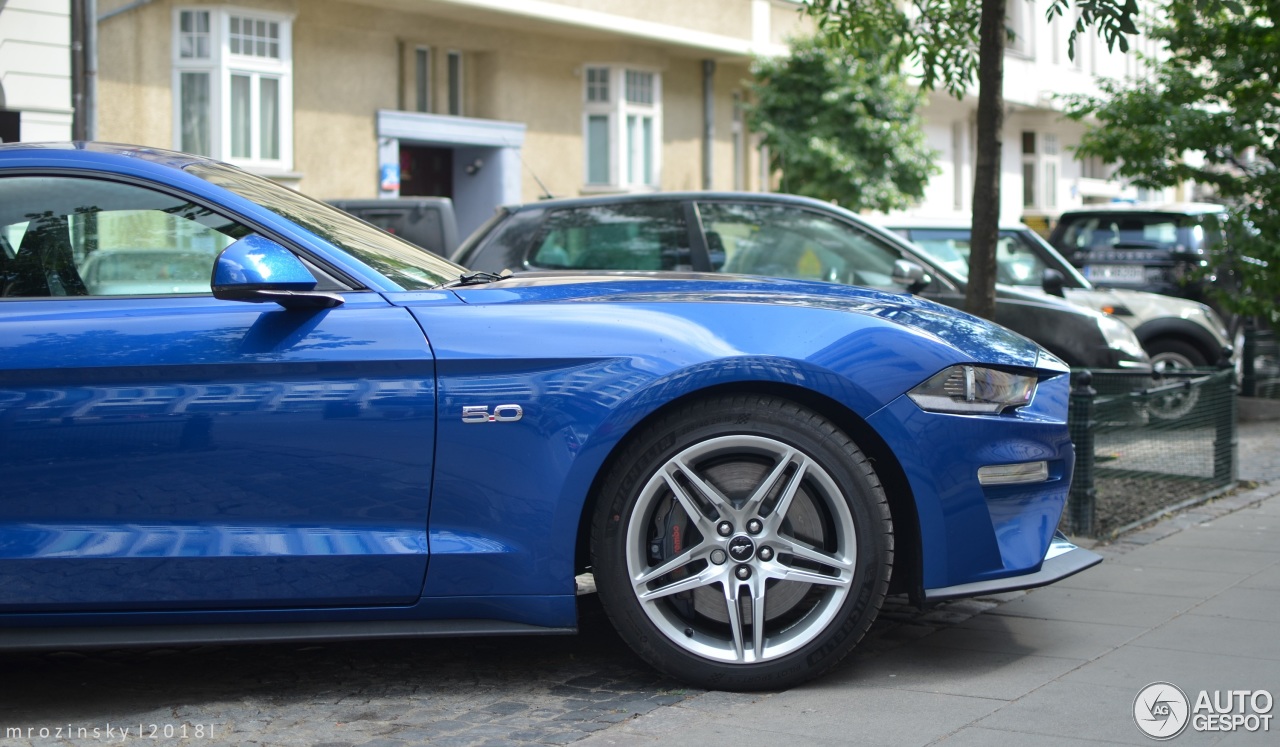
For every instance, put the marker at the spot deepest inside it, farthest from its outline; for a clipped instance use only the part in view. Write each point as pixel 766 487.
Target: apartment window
pixel 739 143
pixel 233 75
pixel 1041 164
pixel 622 132
pixel 455 83
pixel 422 79
pixel 1094 168
pixel 1020 20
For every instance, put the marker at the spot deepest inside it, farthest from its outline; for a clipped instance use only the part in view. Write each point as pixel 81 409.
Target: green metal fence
pixel 1145 445
pixel 1260 361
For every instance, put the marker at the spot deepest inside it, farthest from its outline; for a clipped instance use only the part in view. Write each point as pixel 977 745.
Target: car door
pixel 161 449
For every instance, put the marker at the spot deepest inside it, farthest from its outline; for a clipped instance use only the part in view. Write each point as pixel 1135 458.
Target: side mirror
pixel 910 275
pixel 257 269
pixel 1052 283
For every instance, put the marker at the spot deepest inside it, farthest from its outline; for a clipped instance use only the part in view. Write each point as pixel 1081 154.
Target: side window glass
pixel 1017 263
pixel 1088 233
pixel 67 236
pixel 788 242
pixel 643 236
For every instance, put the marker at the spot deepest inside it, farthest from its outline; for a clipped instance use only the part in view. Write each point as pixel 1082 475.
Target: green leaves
pixel 1207 114
pixel 842 124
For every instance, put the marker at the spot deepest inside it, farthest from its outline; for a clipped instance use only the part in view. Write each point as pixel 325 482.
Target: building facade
pixel 35 70
pixel 483 101
pixel 1040 173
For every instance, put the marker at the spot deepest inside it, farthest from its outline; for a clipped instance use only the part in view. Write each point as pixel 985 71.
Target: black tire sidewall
pixel 774 418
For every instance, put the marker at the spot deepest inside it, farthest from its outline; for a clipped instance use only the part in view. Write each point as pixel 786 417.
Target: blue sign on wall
pixel 389 177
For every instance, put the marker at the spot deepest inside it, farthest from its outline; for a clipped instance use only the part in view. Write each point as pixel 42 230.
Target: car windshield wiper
pixel 476 278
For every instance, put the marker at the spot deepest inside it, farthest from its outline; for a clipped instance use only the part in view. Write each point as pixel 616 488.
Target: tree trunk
pixel 980 298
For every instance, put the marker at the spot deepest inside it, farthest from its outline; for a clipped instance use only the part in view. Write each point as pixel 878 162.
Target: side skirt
pixel 43 639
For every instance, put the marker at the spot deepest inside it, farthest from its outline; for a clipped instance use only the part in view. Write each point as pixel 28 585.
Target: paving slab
pixel 1204 536
pixel 952 671
pixel 1248 520
pixel 1081 710
pixel 1021 635
pixel 1135 667
pixel 843 716
pixel 1090 605
pixel 978 736
pixel 1134 578
pixel 1214 635
pixel 1267 578
pixel 1244 604
pixel 1163 555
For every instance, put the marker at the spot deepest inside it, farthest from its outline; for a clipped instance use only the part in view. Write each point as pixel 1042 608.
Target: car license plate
pixel 1115 273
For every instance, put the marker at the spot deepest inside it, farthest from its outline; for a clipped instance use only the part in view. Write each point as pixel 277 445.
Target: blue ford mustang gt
pixel 231 413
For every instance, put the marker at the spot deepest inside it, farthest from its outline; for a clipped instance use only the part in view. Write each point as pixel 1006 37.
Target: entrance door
pixel 425 171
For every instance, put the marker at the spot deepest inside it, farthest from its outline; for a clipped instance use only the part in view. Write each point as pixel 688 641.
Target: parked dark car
pixel 775 235
pixel 1166 249
pixel 1176 332
pixel 428 222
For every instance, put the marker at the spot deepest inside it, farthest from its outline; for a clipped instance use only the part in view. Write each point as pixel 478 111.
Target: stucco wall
pixel 35 66
pixel 351 60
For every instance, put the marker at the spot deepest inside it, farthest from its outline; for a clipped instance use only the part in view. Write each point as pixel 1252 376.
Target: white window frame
pixel 1020 17
pixel 1046 171
pixel 617 110
pixel 423 89
pixel 221 65
pixel 456 85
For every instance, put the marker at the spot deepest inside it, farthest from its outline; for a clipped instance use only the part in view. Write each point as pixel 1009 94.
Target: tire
pixel 820 556
pixel 1169 355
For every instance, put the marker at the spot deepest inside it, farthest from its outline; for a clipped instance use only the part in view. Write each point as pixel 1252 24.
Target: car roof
pixel 1172 208
pixel 958 222
pixel 104 153
pixel 632 197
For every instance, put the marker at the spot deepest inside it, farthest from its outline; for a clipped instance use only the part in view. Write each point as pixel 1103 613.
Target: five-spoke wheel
pixel 742 542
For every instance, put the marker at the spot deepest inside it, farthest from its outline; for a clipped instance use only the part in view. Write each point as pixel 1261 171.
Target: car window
pixel 396 259
pixel 791 242
pixel 1017 263
pixel 1105 231
pixel 638 236
pixel 69 236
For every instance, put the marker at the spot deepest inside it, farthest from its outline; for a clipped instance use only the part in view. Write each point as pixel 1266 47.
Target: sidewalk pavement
pixel 1193 600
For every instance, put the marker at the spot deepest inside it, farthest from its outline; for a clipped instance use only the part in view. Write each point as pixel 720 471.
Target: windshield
pixel 1021 259
pixel 1157 230
pixel 403 263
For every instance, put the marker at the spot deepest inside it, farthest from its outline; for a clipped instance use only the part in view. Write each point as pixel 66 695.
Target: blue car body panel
pixel 192 460
pixel 585 371
pixel 212 448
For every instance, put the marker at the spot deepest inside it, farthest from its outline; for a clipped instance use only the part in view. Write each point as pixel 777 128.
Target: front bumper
pixel 1063 559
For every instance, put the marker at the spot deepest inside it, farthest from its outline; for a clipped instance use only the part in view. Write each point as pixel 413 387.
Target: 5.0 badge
pixel 500 414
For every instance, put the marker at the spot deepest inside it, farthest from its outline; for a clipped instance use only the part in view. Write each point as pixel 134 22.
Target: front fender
pixel 507 496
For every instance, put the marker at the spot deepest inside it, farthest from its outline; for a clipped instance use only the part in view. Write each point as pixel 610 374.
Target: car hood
pixel 977 339
pixel 1144 307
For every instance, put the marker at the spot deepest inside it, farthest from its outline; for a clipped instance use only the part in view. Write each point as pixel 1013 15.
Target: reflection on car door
pixel 162 449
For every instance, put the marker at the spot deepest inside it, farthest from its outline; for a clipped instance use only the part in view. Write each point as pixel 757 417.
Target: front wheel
pixel 1170 357
pixel 742 542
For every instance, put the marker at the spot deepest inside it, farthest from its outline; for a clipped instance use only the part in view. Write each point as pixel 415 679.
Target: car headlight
pixel 1119 336
pixel 973 389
